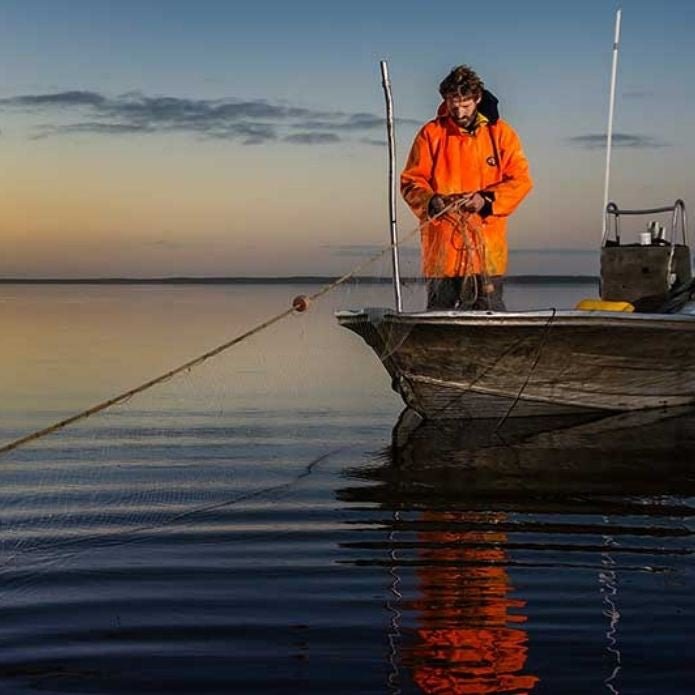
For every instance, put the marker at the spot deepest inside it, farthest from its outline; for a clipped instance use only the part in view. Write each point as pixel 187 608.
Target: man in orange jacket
pixel 466 173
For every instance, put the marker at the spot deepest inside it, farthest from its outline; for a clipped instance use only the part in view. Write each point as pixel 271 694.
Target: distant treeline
pixel 290 280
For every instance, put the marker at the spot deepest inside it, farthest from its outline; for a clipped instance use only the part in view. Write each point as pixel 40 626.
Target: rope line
pixel 537 357
pixel 121 398
pixel 196 361
pixel 135 534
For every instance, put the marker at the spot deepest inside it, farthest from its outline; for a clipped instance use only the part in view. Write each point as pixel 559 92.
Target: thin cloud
pixel 248 132
pixel 67 99
pixel 92 127
pixel 375 142
pixel 359 121
pixel 596 141
pixel 249 121
pixel 312 138
pixel 355 122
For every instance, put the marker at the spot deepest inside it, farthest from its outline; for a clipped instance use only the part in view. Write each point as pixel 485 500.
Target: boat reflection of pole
pixel 394 637
pixel 465 642
pixel 608 580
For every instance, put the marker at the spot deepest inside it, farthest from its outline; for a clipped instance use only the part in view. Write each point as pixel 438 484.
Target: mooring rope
pixel 197 361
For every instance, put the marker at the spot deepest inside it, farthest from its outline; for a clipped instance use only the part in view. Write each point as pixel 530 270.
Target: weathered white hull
pixel 484 364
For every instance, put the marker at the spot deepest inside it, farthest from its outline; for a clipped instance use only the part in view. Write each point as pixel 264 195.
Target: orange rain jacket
pixel 445 159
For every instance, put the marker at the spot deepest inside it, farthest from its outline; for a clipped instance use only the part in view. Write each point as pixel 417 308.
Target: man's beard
pixel 466 121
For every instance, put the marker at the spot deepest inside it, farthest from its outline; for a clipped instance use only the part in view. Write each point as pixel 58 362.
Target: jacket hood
pixel 487 106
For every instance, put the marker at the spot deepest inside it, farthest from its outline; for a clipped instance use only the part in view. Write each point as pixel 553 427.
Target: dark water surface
pixel 251 526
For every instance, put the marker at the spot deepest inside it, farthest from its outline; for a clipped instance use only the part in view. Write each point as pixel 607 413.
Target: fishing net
pixel 226 431
pixel 234 430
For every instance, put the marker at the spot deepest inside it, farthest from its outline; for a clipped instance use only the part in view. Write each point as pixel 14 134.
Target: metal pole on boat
pixel 609 139
pixel 390 130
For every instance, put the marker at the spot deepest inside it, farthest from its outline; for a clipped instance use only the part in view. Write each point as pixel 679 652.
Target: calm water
pixel 250 526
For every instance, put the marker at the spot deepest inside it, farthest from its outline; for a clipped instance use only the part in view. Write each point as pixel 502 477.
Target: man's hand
pixel 470 202
pixel 473 202
pixel 436 205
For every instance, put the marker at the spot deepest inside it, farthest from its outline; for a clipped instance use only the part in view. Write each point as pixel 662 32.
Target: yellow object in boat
pixel 603 305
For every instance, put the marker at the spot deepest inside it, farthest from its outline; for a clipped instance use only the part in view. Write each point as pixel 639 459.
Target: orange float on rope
pixel 300 303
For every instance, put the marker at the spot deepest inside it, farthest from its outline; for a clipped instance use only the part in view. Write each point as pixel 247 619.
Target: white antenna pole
pixel 609 140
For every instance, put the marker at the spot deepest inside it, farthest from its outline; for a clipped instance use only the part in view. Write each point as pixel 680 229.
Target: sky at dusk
pixel 160 138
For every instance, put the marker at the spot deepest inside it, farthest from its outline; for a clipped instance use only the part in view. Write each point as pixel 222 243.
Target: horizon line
pixel 261 280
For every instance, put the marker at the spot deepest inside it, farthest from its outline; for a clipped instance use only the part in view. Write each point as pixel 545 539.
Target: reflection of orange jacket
pixel 445 159
pixel 466 645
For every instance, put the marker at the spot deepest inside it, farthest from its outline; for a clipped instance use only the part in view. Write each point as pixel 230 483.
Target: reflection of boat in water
pixel 478 524
pixel 596 461
pixel 646 452
pixel 457 626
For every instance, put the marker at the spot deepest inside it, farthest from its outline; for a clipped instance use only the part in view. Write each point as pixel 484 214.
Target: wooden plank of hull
pixel 442 401
pixel 556 360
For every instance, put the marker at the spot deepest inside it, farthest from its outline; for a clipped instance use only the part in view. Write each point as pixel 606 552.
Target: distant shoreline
pixel 290 280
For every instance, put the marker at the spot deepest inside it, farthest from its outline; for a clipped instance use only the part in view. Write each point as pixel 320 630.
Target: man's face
pixel 462 108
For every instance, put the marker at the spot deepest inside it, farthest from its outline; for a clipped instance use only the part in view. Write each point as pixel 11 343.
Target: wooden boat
pixel 491 364
pixel 480 364
pixel 453 364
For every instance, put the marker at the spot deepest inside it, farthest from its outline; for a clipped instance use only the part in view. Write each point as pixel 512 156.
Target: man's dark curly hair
pixel 462 80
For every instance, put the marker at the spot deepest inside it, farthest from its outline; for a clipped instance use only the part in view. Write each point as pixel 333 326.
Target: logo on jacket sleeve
pixel 492 161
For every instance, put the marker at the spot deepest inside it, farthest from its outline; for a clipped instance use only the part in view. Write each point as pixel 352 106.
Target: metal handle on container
pixel 678 219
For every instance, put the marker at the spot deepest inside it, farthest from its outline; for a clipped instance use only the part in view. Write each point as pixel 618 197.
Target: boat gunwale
pixel 542 317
